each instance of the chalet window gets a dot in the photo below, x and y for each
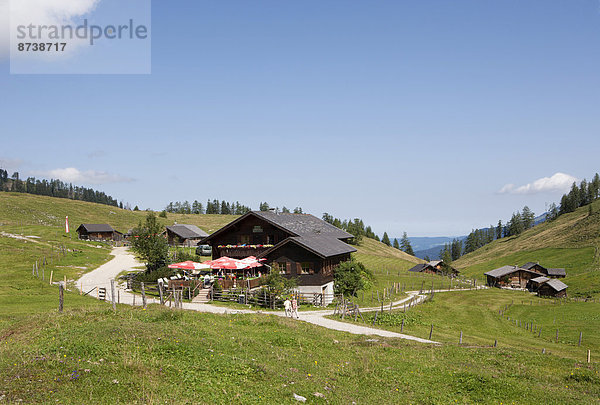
(306, 268)
(282, 267)
(245, 239)
(257, 229)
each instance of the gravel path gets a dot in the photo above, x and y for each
(124, 261)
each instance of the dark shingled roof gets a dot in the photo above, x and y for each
(540, 279)
(96, 227)
(530, 265)
(557, 285)
(187, 231)
(420, 267)
(504, 270)
(557, 272)
(303, 224)
(323, 246)
(293, 224)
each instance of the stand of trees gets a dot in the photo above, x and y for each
(211, 207)
(579, 196)
(356, 227)
(53, 188)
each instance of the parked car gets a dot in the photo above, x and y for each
(204, 250)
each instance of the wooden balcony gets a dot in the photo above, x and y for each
(240, 252)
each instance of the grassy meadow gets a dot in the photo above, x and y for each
(169, 356)
(89, 354)
(476, 314)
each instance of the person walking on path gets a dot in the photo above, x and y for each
(295, 308)
(287, 304)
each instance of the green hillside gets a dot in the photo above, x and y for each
(90, 354)
(572, 242)
(35, 210)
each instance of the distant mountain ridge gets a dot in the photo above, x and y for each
(431, 246)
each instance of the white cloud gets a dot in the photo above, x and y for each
(38, 12)
(558, 182)
(73, 175)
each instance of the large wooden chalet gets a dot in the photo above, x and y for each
(103, 232)
(295, 245)
(184, 235)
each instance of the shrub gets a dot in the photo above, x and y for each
(352, 276)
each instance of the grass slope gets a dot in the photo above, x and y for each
(572, 242)
(162, 355)
(90, 354)
(18, 209)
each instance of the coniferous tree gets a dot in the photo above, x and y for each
(515, 225)
(405, 245)
(456, 249)
(583, 193)
(552, 212)
(527, 218)
(396, 244)
(594, 188)
(446, 254)
(386, 239)
(499, 230)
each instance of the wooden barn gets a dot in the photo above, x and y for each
(100, 232)
(553, 288)
(510, 276)
(296, 245)
(552, 273)
(434, 267)
(534, 284)
(184, 235)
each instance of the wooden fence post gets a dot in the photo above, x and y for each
(160, 292)
(60, 297)
(143, 296)
(496, 343)
(402, 326)
(580, 336)
(589, 356)
(51, 274)
(430, 331)
(460, 338)
(113, 295)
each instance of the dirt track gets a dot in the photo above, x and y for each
(124, 261)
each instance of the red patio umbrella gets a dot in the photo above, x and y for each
(226, 263)
(189, 265)
(251, 262)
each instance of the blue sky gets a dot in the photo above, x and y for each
(412, 115)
